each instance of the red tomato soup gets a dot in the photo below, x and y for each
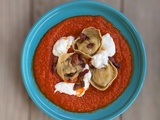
(93, 99)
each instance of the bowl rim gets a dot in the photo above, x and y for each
(139, 87)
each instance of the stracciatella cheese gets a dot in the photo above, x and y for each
(100, 59)
(108, 44)
(62, 45)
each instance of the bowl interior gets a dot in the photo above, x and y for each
(79, 8)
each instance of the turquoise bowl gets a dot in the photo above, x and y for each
(78, 8)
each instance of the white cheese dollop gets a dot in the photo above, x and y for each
(100, 59)
(67, 88)
(64, 87)
(62, 45)
(108, 44)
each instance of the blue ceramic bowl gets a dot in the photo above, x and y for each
(78, 8)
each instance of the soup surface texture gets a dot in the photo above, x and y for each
(93, 99)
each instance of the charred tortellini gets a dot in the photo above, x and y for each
(69, 66)
(103, 78)
(89, 42)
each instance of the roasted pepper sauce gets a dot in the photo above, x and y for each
(93, 98)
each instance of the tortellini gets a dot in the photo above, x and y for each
(103, 78)
(69, 66)
(89, 42)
